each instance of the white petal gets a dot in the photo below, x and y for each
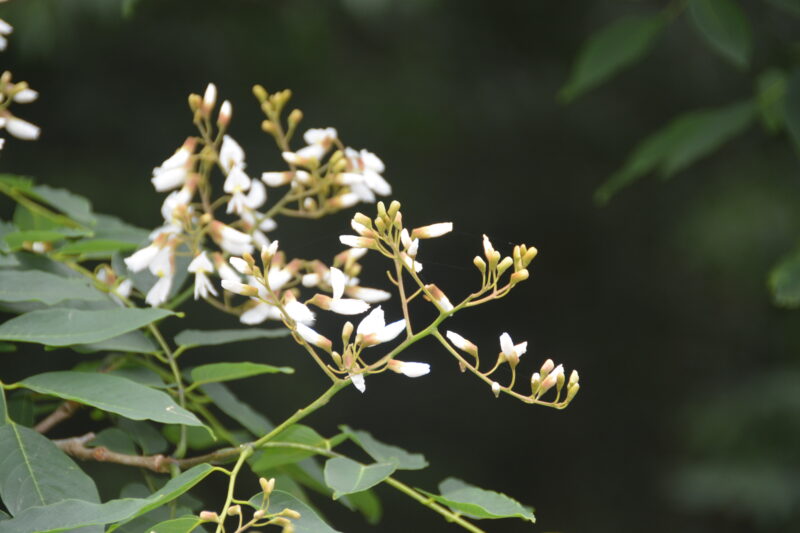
(372, 161)
(377, 183)
(337, 281)
(158, 294)
(256, 314)
(141, 259)
(349, 306)
(414, 370)
(367, 294)
(506, 344)
(257, 196)
(201, 263)
(391, 331)
(240, 265)
(358, 382)
(372, 323)
(230, 154)
(26, 96)
(22, 129)
(237, 180)
(172, 178)
(299, 312)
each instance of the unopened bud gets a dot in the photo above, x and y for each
(381, 210)
(529, 255)
(225, 113)
(260, 93)
(195, 101)
(519, 275)
(571, 392)
(480, 264)
(573, 378)
(209, 99)
(439, 297)
(268, 127)
(347, 332)
(337, 359)
(291, 513)
(295, 117)
(547, 367)
(495, 389)
(432, 231)
(560, 382)
(209, 516)
(394, 207)
(504, 265)
(259, 514)
(234, 510)
(536, 382)
(267, 485)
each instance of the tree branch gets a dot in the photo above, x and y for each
(62, 412)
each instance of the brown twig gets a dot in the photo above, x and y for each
(62, 412)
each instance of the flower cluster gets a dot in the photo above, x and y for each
(16, 93)
(323, 177)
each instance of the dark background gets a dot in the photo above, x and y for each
(687, 417)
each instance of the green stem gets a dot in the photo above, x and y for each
(433, 506)
(246, 452)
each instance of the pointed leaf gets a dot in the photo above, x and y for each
(112, 394)
(386, 453)
(145, 435)
(185, 524)
(70, 514)
(275, 455)
(229, 404)
(195, 337)
(723, 24)
(216, 372)
(132, 342)
(309, 521)
(96, 247)
(346, 476)
(112, 228)
(610, 50)
(34, 472)
(15, 240)
(74, 206)
(680, 143)
(29, 285)
(479, 503)
(62, 327)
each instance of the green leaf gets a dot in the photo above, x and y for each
(6, 347)
(216, 372)
(784, 282)
(17, 239)
(76, 207)
(145, 435)
(3, 409)
(790, 6)
(275, 455)
(792, 107)
(20, 408)
(680, 143)
(229, 404)
(196, 438)
(195, 337)
(112, 394)
(368, 504)
(610, 50)
(14, 182)
(96, 247)
(115, 440)
(185, 524)
(7, 260)
(29, 285)
(114, 229)
(479, 503)
(132, 342)
(346, 476)
(386, 453)
(309, 521)
(63, 327)
(70, 514)
(770, 94)
(34, 472)
(723, 24)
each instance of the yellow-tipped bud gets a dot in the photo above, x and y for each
(529, 255)
(381, 210)
(572, 392)
(295, 117)
(267, 126)
(209, 516)
(347, 332)
(504, 265)
(479, 263)
(234, 510)
(260, 92)
(394, 207)
(195, 101)
(291, 513)
(520, 275)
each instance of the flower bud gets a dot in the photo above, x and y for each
(267, 485)
(239, 288)
(573, 378)
(504, 265)
(259, 514)
(547, 367)
(394, 207)
(347, 332)
(495, 389)
(572, 392)
(209, 99)
(519, 275)
(209, 516)
(529, 255)
(295, 117)
(291, 513)
(462, 344)
(225, 113)
(536, 382)
(432, 231)
(195, 101)
(440, 298)
(268, 127)
(234, 510)
(480, 264)
(260, 93)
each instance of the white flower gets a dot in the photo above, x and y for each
(312, 337)
(163, 263)
(141, 259)
(22, 129)
(369, 295)
(374, 329)
(358, 382)
(224, 270)
(342, 306)
(231, 154)
(241, 266)
(432, 230)
(236, 184)
(461, 343)
(259, 313)
(299, 312)
(231, 240)
(510, 350)
(209, 98)
(278, 277)
(5, 29)
(201, 267)
(322, 136)
(175, 169)
(159, 293)
(256, 198)
(368, 167)
(239, 288)
(26, 96)
(337, 281)
(410, 369)
(354, 241)
(174, 201)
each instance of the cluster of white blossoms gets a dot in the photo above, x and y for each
(318, 186)
(16, 93)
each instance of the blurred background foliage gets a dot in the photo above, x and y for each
(518, 119)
